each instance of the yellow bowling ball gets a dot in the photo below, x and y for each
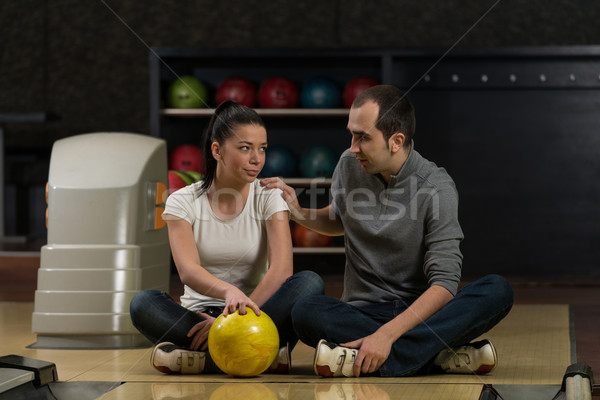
(243, 345)
(249, 391)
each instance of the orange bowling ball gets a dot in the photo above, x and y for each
(243, 345)
(304, 237)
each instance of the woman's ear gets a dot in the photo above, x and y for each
(216, 150)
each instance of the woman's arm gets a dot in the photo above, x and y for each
(279, 242)
(192, 274)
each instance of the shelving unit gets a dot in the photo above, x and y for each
(297, 129)
(319, 250)
(33, 117)
(507, 124)
(265, 112)
(308, 182)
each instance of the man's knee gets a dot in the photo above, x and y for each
(500, 288)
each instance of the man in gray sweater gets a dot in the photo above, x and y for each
(401, 312)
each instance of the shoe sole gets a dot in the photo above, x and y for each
(321, 370)
(162, 369)
(484, 369)
(284, 368)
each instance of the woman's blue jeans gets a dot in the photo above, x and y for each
(161, 319)
(473, 311)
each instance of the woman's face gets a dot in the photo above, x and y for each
(242, 156)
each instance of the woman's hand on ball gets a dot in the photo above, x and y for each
(236, 299)
(200, 332)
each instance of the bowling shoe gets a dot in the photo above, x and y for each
(283, 362)
(474, 358)
(172, 359)
(332, 360)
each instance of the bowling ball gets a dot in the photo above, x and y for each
(178, 180)
(320, 93)
(319, 161)
(195, 175)
(237, 89)
(187, 92)
(187, 157)
(278, 92)
(279, 161)
(243, 345)
(304, 237)
(355, 86)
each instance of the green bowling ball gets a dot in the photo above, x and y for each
(187, 92)
(318, 161)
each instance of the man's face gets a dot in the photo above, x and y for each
(368, 143)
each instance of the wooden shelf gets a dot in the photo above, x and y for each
(318, 250)
(265, 112)
(308, 182)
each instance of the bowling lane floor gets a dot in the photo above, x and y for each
(132, 378)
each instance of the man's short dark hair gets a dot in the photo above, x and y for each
(396, 112)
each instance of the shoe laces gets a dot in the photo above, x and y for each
(345, 354)
(461, 359)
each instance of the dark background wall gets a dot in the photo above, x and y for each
(87, 61)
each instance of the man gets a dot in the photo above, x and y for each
(401, 312)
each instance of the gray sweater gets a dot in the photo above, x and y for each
(400, 237)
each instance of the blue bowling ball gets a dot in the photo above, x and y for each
(320, 93)
(319, 161)
(279, 161)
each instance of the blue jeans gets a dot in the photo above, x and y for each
(161, 319)
(473, 311)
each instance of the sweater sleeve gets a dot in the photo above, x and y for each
(443, 259)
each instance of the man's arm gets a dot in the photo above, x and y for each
(375, 348)
(323, 220)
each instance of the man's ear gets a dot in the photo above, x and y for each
(397, 141)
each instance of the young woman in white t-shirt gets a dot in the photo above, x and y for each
(231, 243)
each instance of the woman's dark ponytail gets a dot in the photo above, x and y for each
(226, 117)
(209, 160)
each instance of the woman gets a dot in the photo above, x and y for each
(231, 244)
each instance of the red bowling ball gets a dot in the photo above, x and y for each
(355, 86)
(238, 89)
(278, 92)
(187, 157)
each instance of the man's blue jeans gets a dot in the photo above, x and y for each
(161, 319)
(473, 311)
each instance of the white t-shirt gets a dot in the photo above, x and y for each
(235, 250)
